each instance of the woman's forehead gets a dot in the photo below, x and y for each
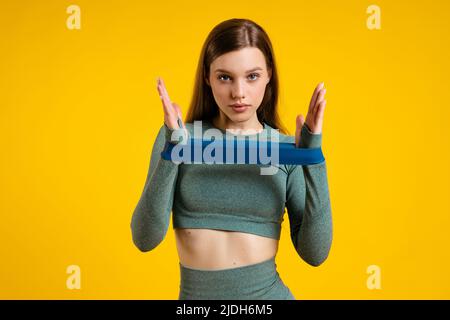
(239, 61)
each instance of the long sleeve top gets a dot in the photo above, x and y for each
(236, 197)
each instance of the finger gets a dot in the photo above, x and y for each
(179, 114)
(177, 109)
(166, 105)
(320, 99)
(320, 113)
(165, 90)
(161, 90)
(298, 129)
(314, 97)
(168, 109)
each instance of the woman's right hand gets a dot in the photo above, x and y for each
(172, 111)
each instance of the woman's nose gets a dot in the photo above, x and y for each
(238, 90)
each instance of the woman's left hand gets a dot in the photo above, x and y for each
(314, 118)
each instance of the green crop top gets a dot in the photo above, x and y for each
(236, 197)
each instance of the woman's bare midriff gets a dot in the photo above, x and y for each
(209, 249)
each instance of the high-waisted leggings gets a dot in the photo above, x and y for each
(259, 281)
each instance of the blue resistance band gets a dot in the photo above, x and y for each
(288, 153)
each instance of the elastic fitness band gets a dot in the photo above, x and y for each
(242, 152)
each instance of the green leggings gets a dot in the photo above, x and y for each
(259, 281)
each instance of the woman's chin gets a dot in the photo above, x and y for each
(239, 117)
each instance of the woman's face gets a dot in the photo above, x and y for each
(239, 77)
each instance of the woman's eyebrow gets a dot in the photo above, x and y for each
(251, 70)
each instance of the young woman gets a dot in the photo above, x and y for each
(227, 218)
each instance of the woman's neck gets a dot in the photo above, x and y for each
(249, 126)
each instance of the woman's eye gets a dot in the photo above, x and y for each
(222, 75)
(253, 75)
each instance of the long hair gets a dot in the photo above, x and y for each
(230, 35)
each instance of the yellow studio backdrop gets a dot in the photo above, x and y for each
(80, 111)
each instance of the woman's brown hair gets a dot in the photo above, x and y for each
(231, 35)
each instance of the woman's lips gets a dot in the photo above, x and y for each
(240, 108)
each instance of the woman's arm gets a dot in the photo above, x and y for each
(151, 217)
(310, 214)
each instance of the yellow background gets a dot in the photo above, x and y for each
(80, 111)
